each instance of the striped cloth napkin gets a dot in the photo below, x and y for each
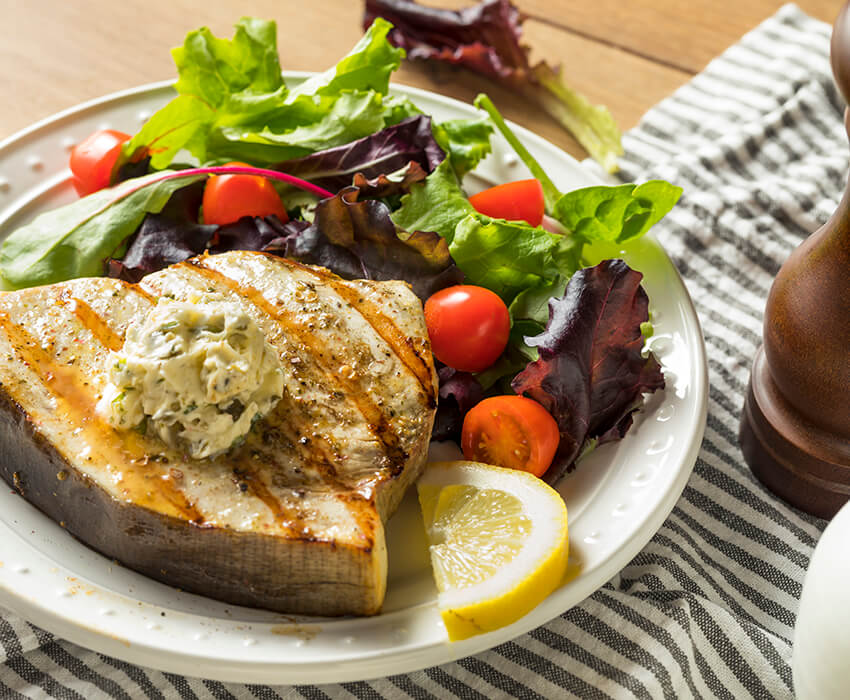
(707, 609)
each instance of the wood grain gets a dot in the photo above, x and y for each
(626, 55)
(679, 33)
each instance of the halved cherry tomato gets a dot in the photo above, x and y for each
(510, 431)
(515, 201)
(468, 326)
(92, 160)
(227, 198)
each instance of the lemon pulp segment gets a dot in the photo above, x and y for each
(498, 543)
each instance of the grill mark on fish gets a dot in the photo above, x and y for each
(376, 421)
(362, 508)
(68, 386)
(142, 292)
(389, 332)
(316, 453)
(246, 474)
(96, 325)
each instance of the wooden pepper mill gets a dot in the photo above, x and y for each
(795, 427)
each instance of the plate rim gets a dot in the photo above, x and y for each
(373, 665)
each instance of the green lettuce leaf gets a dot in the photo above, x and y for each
(232, 102)
(509, 257)
(213, 69)
(353, 115)
(437, 204)
(398, 108)
(75, 240)
(592, 125)
(467, 141)
(367, 66)
(184, 122)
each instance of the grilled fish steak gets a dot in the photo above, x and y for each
(291, 520)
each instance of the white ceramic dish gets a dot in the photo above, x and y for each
(617, 499)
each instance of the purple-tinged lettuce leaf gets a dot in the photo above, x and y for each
(483, 37)
(459, 391)
(381, 153)
(166, 238)
(160, 242)
(486, 39)
(255, 233)
(395, 183)
(591, 373)
(353, 239)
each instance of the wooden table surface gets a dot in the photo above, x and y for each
(626, 54)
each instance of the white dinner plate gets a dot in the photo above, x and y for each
(617, 498)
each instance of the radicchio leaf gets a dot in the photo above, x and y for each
(353, 239)
(459, 391)
(486, 39)
(591, 373)
(386, 151)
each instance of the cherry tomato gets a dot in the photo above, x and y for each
(227, 198)
(515, 201)
(510, 431)
(468, 326)
(92, 160)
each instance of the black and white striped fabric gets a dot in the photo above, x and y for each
(707, 609)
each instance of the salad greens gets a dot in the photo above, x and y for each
(591, 373)
(387, 151)
(485, 38)
(385, 200)
(233, 104)
(594, 214)
(75, 240)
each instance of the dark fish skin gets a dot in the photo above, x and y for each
(293, 519)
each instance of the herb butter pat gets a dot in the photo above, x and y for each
(197, 375)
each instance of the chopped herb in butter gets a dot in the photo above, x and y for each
(197, 375)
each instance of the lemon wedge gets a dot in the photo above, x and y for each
(498, 542)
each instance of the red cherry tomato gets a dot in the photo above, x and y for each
(227, 198)
(515, 201)
(510, 431)
(468, 326)
(92, 160)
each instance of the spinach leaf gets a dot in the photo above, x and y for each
(75, 240)
(616, 214)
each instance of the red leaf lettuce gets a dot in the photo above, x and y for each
(591, 373)
(382, 153)
(485, 38)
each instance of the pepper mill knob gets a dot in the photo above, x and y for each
(795, 427)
